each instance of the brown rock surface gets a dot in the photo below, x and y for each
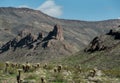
(58, 32)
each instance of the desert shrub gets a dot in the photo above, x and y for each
(2, 66)
(31, 77)
(112, 73)
(12, 71)
(59, 78)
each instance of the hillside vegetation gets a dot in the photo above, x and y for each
(53, 73)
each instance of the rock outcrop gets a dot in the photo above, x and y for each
(40, 36)
(24, 32)
(115, 33)
(20, 41)
(95, 45)
(56, 33)
(53, 43)
(107, 41)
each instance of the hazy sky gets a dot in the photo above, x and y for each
(90, 10)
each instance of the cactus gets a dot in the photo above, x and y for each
(6, 66)
(43, 80)
(59, 68)
(38, 65)
(23, 67)
(92, 73)
(55, 70)
(45, 66)
(26, 67)
(19, 76)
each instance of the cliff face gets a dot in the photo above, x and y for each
(58, 33)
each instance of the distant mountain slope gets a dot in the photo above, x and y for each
(78, 33)
(96, 56)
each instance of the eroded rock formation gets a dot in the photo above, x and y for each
(26, 39)
(95, 45)
(107, 41)
(57, 33)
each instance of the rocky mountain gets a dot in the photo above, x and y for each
(38, 47)
(29, 35)
(78, 33)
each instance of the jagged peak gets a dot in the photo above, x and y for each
(56, 33)
(26, 39)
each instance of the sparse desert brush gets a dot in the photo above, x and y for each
(56, 73)
(30, 77)
(58, 77)
(112, 72)
(2, 65)
(12, 71)
(78, 68)
(65, 67)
